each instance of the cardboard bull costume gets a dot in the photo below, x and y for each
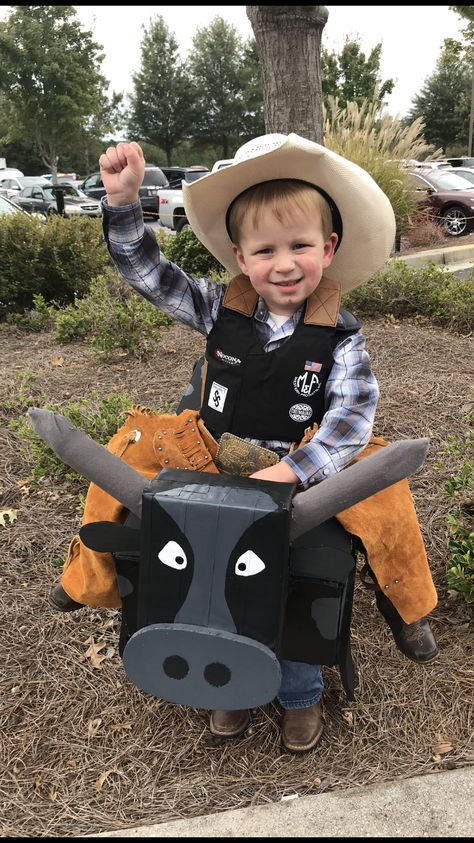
(209, 600)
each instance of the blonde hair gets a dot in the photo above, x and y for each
(283, 197)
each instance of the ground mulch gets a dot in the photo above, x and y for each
(83, 750)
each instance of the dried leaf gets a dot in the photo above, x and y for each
(57, 361)
(103, 778)
(442, 747)
(7, 513)
(126, 725)
(93, 652)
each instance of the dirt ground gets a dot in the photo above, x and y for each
(408, 247)
(83, 750)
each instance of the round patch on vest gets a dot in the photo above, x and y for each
(300, 412)
(307, 384)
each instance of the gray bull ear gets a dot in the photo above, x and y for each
(108, 537)
(90, 459)
(357, 482)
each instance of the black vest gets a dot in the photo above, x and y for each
(269, 394)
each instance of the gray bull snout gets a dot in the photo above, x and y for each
(202, 668)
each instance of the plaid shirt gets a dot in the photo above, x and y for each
(351, 391)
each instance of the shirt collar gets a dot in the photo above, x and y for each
(262, 314)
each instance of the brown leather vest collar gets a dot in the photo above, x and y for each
(322, 306)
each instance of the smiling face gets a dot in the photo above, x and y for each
(284, 255)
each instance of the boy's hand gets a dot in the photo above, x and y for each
(122, 168)
(279, 473)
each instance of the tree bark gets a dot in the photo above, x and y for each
(289, 46)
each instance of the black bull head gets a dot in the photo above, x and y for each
(209, 588)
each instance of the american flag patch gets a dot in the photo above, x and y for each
(311, 366)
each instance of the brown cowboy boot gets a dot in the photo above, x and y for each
(302, 728)
(61, 601)
(415, 640)
(229, 724)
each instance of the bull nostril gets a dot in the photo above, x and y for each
(175, 667)
(217, 674)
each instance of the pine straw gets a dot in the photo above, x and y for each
(83, 750)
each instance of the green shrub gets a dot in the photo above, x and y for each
(98, 417)
(20, 261)
(185, 250)
(460, 575)
(458, 462)
(74, 252)
(112, 316)
(38, 318)
(429, 291)
(57, 259)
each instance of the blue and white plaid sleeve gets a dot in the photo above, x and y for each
(351, 398)
(137, 256)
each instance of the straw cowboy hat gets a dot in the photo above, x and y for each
(368, 221)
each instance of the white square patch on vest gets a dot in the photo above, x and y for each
(217, 397)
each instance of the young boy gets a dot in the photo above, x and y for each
(296, 225)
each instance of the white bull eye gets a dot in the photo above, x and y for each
(248, 564)
(173, 555)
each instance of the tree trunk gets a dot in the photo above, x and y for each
(289, 45)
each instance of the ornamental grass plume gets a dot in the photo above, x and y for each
(379, 143)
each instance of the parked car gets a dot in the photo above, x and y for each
(176, 175)
(460, 162)
(153, 179)
(8, 207)
(64, 178)
(40, 196)
(170, 199)
(12, 184)
(8, 172)
(465, 172)
(449, 195)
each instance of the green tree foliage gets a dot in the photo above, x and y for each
(224, 69)
(50, 78)
(351, 76)
(444, 100)
(466, 12)
(252, 118)
(88, 145)
(162, 101)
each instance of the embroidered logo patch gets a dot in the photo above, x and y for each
(307, 384)
(227, 358)
(217, 397)
(300, 412)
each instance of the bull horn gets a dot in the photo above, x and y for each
(90, 459)
(355, 483)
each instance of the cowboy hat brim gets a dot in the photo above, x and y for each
(367, 216)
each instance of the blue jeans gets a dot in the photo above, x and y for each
(301, 684)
